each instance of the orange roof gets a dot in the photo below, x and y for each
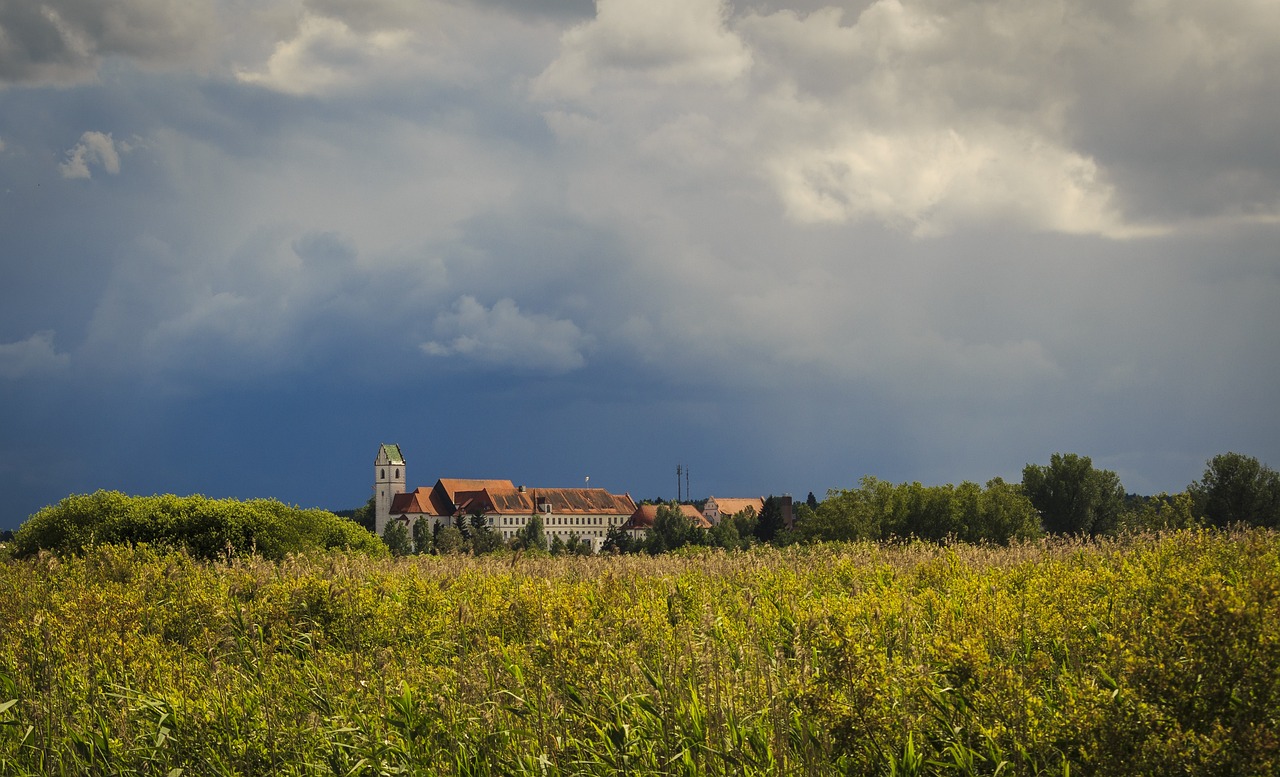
(451, 486)
(728, 506)
(645, 515)
(574, 501)
(423, 501)
(451, 496)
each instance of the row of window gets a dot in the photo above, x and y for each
(562, 520)
(506, 535)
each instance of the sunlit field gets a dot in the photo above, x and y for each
(1150, 655)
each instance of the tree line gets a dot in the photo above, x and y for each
(1067, 496)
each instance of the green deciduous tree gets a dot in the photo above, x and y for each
(1159, 512)
(672, 529)
(396, 537)
(745, 522)
(725, 535)
(1003, 513)
(422, 535)
(532, 536)
(1237, 489)
(449, 539)
(480, 537)
(365, 514)
(577, 546)
(619, 540)
(1072, 496)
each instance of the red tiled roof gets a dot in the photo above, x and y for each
(583, 501)
(451, 496)
(421, 501)
(451, 486)
(644, 516)
(728, 506)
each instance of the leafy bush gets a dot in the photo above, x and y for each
(205, 528)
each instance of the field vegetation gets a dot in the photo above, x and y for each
(1147, 654)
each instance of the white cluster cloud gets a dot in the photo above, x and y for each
(95, 148)
(326, 55)
(36, 356)
(939, 181)
(504, 337)
(672, 43)
(341, 49)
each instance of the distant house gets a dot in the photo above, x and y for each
(642, 519)
(587, 513)
(719, 508)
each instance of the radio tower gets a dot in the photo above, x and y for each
(679, 472)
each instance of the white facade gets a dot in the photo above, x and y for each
(591, 529)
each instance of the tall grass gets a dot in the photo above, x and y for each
(1149, 655)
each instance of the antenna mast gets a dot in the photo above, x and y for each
(679, 472)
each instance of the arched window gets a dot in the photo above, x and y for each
(382, 474)
(397, 474)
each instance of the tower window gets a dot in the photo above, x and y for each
(397, 474)
(382, 474)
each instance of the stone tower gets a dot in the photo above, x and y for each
(388, 480)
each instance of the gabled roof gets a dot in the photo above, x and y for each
(645, 515)
(420, 501)
(584, 501)
(733, 506)
(392, 453)
(502, 497)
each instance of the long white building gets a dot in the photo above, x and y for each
(588, 513)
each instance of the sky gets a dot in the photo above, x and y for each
(782, 244)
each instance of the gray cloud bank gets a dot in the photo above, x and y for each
(947, 237)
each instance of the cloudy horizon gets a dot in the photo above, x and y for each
(785, 244)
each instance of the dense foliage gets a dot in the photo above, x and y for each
(1073, 497)
(879, 510)
(1237, 489)
(205, 528)
(1151, 655)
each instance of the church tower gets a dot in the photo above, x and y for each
(388, 480)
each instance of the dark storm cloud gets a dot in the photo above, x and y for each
(791, 243)
(65, 40)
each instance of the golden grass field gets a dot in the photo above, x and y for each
(1153, 654)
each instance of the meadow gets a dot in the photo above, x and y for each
(1152, 654)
